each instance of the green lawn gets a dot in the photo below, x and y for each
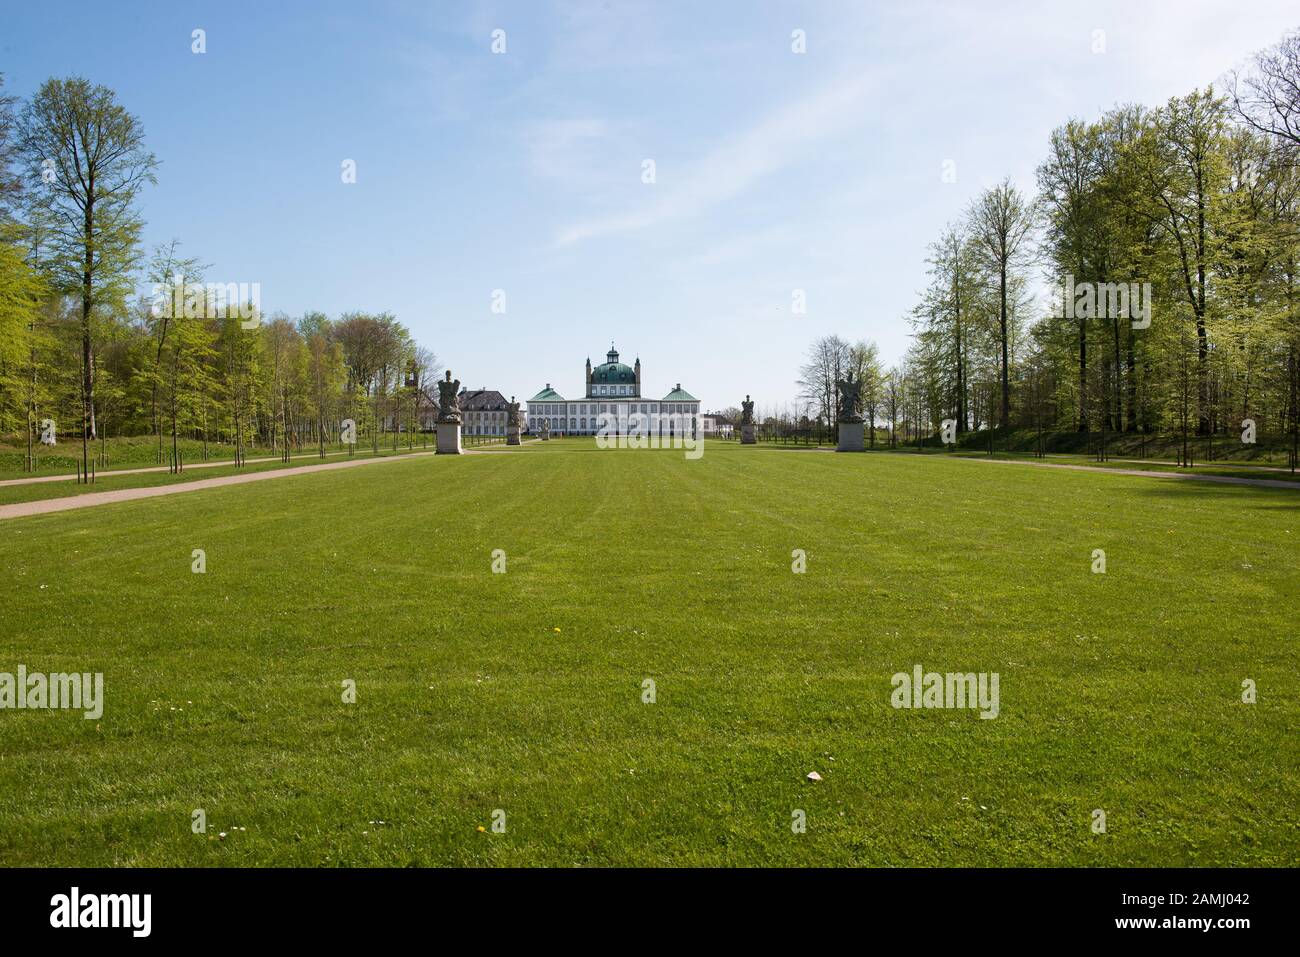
(523, 691)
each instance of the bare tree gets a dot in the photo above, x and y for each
(827, 359)
(1267, 98)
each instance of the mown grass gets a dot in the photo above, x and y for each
(523, 691)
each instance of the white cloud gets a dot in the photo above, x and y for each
(735, 166)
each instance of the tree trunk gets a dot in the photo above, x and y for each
(1006, 379)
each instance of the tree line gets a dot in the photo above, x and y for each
(82, 349)
(1167, 240)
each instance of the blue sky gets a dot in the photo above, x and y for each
(522, 171)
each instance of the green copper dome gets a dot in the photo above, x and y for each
(612, 371)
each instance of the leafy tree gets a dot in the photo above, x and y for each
(86, 164)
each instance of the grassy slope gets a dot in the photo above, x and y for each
(1119, 691)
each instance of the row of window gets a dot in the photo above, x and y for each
(615, 390)
(582, 424)
(590, 408)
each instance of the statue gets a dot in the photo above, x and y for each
(747, 436)
(449, 400)
(849, 391)
(514, 422)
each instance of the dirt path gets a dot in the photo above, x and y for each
(148, 469)
(23, 509)
(1141, 473)
(1211, 463)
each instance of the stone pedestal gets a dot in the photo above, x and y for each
(512, 435)
(449, 438)
(546, 433)
(747, 434)
(851, 437)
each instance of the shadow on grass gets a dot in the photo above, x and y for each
(1247, 496)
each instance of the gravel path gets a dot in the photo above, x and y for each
(23, 509)
(1190, 476)
(147, 469)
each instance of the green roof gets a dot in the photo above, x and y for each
(547, 395)
(613, 372)
(679, 395)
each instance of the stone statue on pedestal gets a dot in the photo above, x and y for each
(448, 429)
(513, 422)
(449, 400)
(851, 426)
(747, 422)
(849, 399)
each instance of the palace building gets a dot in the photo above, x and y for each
(483, 411)
(612, 396)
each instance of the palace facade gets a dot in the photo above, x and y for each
(612, 395)
(482, 412)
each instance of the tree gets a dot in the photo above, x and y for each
(20, 287)
(169, 275)
(11, 185)
(894, 395)
(1001, 222)
(285, 364)
(86, 163)
(946, 316)
(188, 374)
(1185, 171)
(1067, 184)
(20, 294)
(326, 371)
(864, 363)
(1267, 97)
(827, 359)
